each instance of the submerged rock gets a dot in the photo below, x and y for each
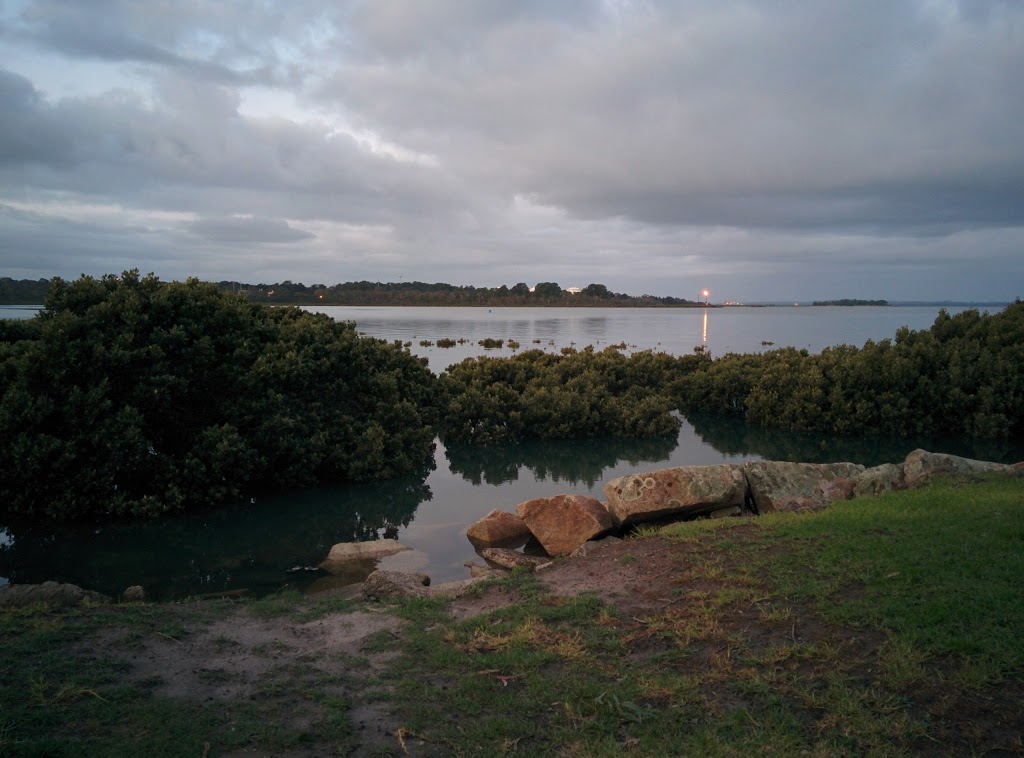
(678, 491)
(564, 522)
(345, 554)
(785, 486)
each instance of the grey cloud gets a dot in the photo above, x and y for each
(194, 152)
(721, 107)
(247, 229)
(646, 144)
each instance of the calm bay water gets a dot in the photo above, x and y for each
(672, 330)
(257, 546)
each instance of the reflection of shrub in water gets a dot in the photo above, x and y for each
(250, 546)
(733, 436)
(571, 461)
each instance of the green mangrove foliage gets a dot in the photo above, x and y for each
(129, 396)
(964, 375)
(576, 394)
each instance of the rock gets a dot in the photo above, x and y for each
(683, 490)
(592, 545)
(729, 512)
(383, 585)
(511, 559)
(564, 522)
(920, 467)
(134, 594)
(784, 486)
(344, 554)
(874, 481)
(478, 571)
(52, 594)
(498, 529)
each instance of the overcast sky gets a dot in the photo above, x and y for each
(776, 150)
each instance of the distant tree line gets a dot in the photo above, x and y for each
(29, 292)
(23, 291)
(440, 294)
(850, 301)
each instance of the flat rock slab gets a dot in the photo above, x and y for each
(921, 467)
(343, 555)
(564, 522)
(678, 491)
(498, 529)
(785, 486)
(53, 594)
(511, 559)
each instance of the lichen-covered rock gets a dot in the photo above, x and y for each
(52, 594)
(678, 491)
(784, 486)
(385, 585)
(920, 467)
(511, 559)
(564, 522)
(498, 529)
(874, 481)
(134, 594)
(478, 571)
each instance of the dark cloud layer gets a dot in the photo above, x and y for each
(650, 145)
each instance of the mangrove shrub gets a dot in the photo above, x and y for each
(964, 375)
(129, 396)
(537, 395)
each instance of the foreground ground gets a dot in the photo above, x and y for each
(887, 626)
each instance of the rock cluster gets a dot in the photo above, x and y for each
(565, 523)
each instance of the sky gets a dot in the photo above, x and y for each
(764, 150)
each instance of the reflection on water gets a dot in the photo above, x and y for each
(254, 546)
(250, 546)
(730, 435)
(581, 463)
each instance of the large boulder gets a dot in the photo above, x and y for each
(885, 478)
(679, 491)
(921, 467)
(564, 522)
(51, 594)
(784, 486)
(498, 529)
(385, 585)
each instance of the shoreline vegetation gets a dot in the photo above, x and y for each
(885, 625)
(127, 397)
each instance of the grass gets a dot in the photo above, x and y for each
(885, 627)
